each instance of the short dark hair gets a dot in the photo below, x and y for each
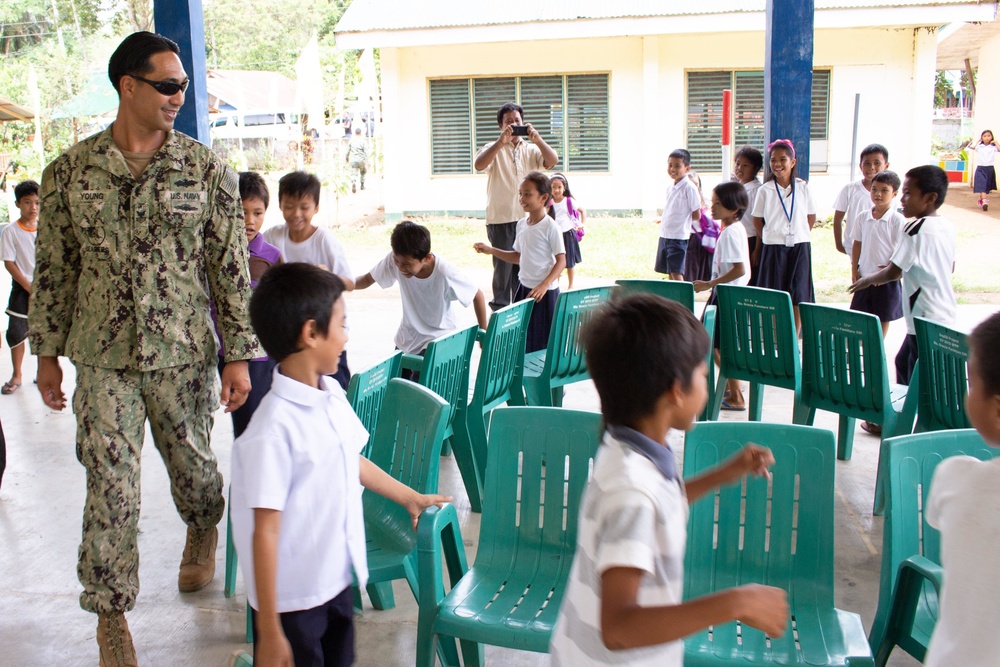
(637, 349)
(133, 54)
(299, 184)
(252, 186)
(682, 155)
(751, 155)
(25, 189)
(509, 106)
(981, 342)
(541, 181)
(875, 148)
(930, 178)
(890, 178)
(288, 296)
(411, 240)
(733, 196)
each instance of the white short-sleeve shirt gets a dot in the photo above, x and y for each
(563, 220)
(926, 255)
(732, 248)
(986, 155)
(854, 200)
(17, 245)
(322, 248)
(964, 504)
(428, 303)
(784, 214)
(878, 238)
(751, 187)
(301, 455)
(538, 244)
(683, 199)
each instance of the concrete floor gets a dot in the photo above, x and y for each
(42, 495)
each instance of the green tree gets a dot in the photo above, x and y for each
(942, 86)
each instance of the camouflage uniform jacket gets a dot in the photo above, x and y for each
(125, 266)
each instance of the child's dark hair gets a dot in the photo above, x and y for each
(875, 148)
(509, 106)
(930, 178)
(252, 186)
(541, 182)
(637, 349)
(25, 189)
(288, 296)
(682, 155)
(133, 54)
(889, 178)
(981, 342)
(787, 146)
(299, 184)
(411, 240)
(733, 196)
(751, 155)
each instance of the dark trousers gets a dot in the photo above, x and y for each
(343, 374)
(505, 274)
(3, 453)
(906, 358)
(260, 383)
(322, 636)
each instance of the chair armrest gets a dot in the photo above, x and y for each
(412, 362)
(921, 568)
(480, 335)
(908, 413)
(906, 594)
(438, 532)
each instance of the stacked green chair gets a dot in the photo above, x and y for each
(778, 532)
(539, 463)
(444, 369)
(942, 377)
(708, 319)
(407, 445)
(675, 290)
(758, 344)
(497, 381)
(844, 371)
(547, 371)
(367, 389)
(910, 580)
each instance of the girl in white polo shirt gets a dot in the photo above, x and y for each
(985, 180)
(783, 216)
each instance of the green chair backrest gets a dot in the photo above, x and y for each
(910, 464)
(565, 362)
(407, 445)
(759, 343)
(708, 319)
(778, 531)
(539, 463)
(502, 355)
(676, 290)
(843, 362)
(445, 368)
(367, 390)
(943, 377)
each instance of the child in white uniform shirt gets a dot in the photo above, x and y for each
(570, 217)
(683, 207)
(854, 200)
(428, 287)
(297, 475)
(746, 166)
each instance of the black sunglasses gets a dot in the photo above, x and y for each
(168, 88)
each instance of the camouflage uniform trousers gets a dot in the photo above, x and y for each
(111, 408)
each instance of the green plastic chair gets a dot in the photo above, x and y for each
(777, 532)
(758, 344)
(367, 389)
(943, 377)
(708, 319)
(547, 371)
(407, 445)
(676, 290)
(444, 369)
(539, 463)
(497, 381)
(910, 580)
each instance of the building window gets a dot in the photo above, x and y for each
(570, 111)
(704, 112)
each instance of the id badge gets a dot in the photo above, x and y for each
(789, 240)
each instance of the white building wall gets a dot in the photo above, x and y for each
(987, 110)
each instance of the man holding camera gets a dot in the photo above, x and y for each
(506, 162)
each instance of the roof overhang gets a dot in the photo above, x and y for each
(964, 43)
(11, 111)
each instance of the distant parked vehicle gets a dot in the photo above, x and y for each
(278, 126)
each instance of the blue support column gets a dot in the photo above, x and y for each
(184, 22)
(788, 68)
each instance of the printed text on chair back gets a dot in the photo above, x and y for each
(445, 370)
(503, 350)
(367, 390)
(944, 377)
(758, 336)
(675, 290)
(565, 361)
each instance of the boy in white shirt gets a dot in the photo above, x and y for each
(683, 207)
(429, 286)
(924, 258)
(854, 199)
(17, 245)
(295, 493)
(746, 165)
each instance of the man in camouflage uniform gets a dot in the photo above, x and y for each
(142, 226)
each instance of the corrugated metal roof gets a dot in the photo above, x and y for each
(372, 15)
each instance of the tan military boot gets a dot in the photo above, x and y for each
(198, 561)
(115, 641)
